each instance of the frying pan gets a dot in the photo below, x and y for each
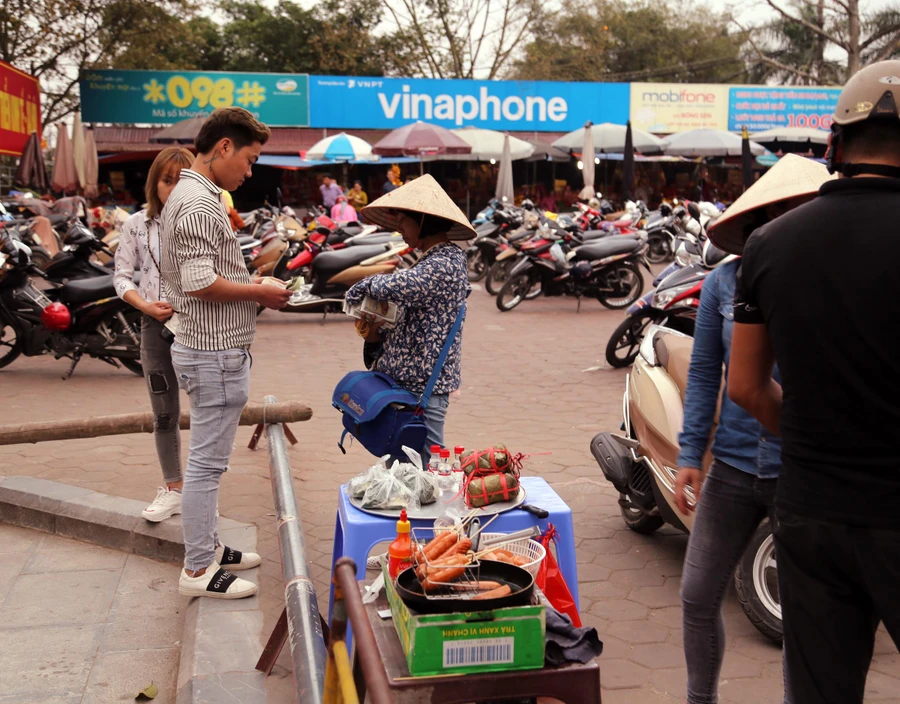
(519, 580)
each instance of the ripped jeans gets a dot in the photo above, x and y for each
(156, 358)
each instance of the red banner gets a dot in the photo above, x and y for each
(20, 108)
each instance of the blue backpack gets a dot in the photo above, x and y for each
(383, 415)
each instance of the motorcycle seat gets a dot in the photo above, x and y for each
(327, 264)
(87, 290)
(364, 240)
(607, 247)
(245, 239)
(588, 235)
(673, 353)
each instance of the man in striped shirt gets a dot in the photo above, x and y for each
(207, 283)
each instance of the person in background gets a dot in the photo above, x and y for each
(104, 195)
(139, 251)
(330, 191)
(206, 281)
(802, 303)
(357, 197)
(237, 222)
(389, 183)
(343, 211)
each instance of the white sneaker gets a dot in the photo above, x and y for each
(374, 562)
(237, 560)
(216, 583)
(166, 504)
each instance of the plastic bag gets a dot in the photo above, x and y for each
(423, 484)
(357, 486)
(551, 581)
(387, 492)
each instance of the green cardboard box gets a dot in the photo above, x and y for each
(482, 641)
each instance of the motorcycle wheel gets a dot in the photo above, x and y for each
(755, 580)
(514, 291)
(10, 343)
(133, 318)
(625, 342)
(627, 283)
(40, 257)
(637, 520)
(497, 275)
(659, 249)
(476, 266)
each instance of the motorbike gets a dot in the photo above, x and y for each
(490, 238)
(606, 270)
(642, 466)
(80, 317)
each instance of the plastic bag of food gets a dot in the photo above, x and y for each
(423, 484)
(491, 489)
(388, 492)
(357, 486)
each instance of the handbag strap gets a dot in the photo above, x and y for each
(442, 358)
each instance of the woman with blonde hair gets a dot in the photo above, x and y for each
(138, 283)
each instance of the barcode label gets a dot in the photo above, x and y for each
(489, 651)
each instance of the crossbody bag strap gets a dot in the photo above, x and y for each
(442, 358)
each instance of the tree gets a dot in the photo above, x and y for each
(865, 37)
(56, 39)
(614, 40)
(457, 38)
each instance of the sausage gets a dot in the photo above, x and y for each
(460, 548)
(442, 563)
(441, 577)
(494, 593)
(439, 545)
(476, 586)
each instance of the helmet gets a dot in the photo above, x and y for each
(873, 93)
(594, 203)
(528, 204)
(582, 270)
(56, 317)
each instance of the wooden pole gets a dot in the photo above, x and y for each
(96, 426)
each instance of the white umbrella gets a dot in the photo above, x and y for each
(91, 166)
(490, 144)
(78, 148)
(610, 139)
(65, 177)
(708, 142)
(340, 147)
(792, 134)
(587, 158)
(505, 190)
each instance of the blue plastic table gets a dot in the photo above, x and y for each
(357, 532)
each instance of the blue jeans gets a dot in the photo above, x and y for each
(435, 415)
(732, 505)
(217, 384)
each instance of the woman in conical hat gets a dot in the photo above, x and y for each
(739, 489)
(430, 295)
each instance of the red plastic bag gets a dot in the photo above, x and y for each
(551, 581)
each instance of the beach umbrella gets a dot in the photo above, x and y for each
(31, 172)
(505, 190)
(78, 148)
(91, 166)
(184, 132)
(610, 138)
(746, 159)
(707, 142)
(628, 165)
(587, 165)
(491, 144)
(340, 147)
(420, 139)
(64, 176)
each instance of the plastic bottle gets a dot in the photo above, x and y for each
(457, 465)
(435, 458)
(400, 551)
(445, 475)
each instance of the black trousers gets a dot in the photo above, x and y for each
(837, 582)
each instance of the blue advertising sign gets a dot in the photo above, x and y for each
(162, 97)
(762, 108)
(386, 103)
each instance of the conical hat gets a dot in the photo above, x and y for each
(791, 178)
(423, 195)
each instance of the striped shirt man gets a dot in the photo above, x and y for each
(199, 246)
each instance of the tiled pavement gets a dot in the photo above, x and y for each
(525, 384)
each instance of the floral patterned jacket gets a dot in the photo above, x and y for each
(430, 296)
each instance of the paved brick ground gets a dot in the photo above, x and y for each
(525, 384)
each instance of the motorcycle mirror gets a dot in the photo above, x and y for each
(694, 211)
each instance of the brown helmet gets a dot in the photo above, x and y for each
(872, 93)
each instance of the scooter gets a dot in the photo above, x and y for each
(642, 466)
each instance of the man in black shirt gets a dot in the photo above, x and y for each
(818, 293)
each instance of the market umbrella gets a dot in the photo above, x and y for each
(91, 166)
(587, 162)
(78, 148)
(505, 190)
(184, 132)
(31, 172)
(490, 144)
(420, 139)
(628, 165)
(340, 147)
(64, 176)
(707, 142)
(610, 138)
(746, 159)
(792, 134)
(547, 152)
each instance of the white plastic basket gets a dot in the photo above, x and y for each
(526, 547)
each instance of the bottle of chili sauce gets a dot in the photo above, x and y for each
(400, 551)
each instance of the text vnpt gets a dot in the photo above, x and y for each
(464, 108)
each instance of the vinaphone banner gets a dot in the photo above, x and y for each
(20, 108)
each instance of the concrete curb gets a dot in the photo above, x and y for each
(222, 639)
